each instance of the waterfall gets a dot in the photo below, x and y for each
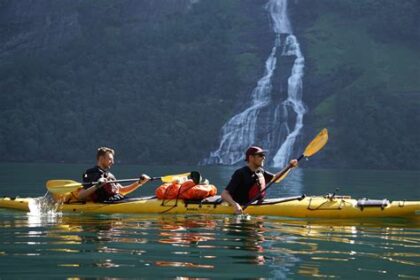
(294, 100)
(262, 122)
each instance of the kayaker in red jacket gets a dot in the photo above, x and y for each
(249, 181)
(103, 191)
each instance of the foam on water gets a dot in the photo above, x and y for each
(43, 210)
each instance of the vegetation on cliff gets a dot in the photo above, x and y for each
(362, 80)
(157, 79)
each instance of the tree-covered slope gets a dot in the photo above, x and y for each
(156, 80)
(363, 80)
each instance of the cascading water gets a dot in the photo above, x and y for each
(262, 122)
(294, 100)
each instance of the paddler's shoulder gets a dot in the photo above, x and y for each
(94, 170)
(243, 170)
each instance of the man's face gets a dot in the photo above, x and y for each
(106, 161)
(257, 159)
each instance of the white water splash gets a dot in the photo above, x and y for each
(241, 131)
(42, 210)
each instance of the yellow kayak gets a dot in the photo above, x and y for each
(336, 207)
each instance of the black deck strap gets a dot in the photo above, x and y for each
(179, 193)
(193, 202)
(130, 199)
(216, 199)
(271, 201)
(164, 197)
(364, 202)
(212, 200)
(125, 200)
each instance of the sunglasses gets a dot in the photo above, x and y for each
(260, 155)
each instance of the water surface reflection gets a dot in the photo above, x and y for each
(123, 246)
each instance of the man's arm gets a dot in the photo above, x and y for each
(232, 187)
(84, 194)
(228, 198)
(124, 190)
(90, 175)
(292, 164)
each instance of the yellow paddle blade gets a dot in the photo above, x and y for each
(170, 178)
(317, 143)
(283, 176)
(63, 186)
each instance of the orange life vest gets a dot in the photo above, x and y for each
(186, 190)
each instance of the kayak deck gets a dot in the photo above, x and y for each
(337, 207)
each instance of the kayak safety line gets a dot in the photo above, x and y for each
(280, 200)
(319, 207)
(196, 177)
(176, 200)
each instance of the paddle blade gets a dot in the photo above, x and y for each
(179, 177)
(284, 175)
(317, 143)
(62, 186)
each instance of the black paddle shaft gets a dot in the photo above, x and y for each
(122, 181)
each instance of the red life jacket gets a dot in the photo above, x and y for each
(258, 189)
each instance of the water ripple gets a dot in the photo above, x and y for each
(207, 246)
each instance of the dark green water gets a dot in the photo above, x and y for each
(54, 245)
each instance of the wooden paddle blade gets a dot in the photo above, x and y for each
(317, 143)
(170, 178)
(62, 186)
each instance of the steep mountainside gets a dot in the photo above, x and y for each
(362, 80)
(157, 79)
(154, 79)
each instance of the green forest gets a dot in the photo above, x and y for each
(156, 80)
(364, 68)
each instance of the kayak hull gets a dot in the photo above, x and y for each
(297, 207)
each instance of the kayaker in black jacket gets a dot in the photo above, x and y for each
(249, 181)
(103, 191)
